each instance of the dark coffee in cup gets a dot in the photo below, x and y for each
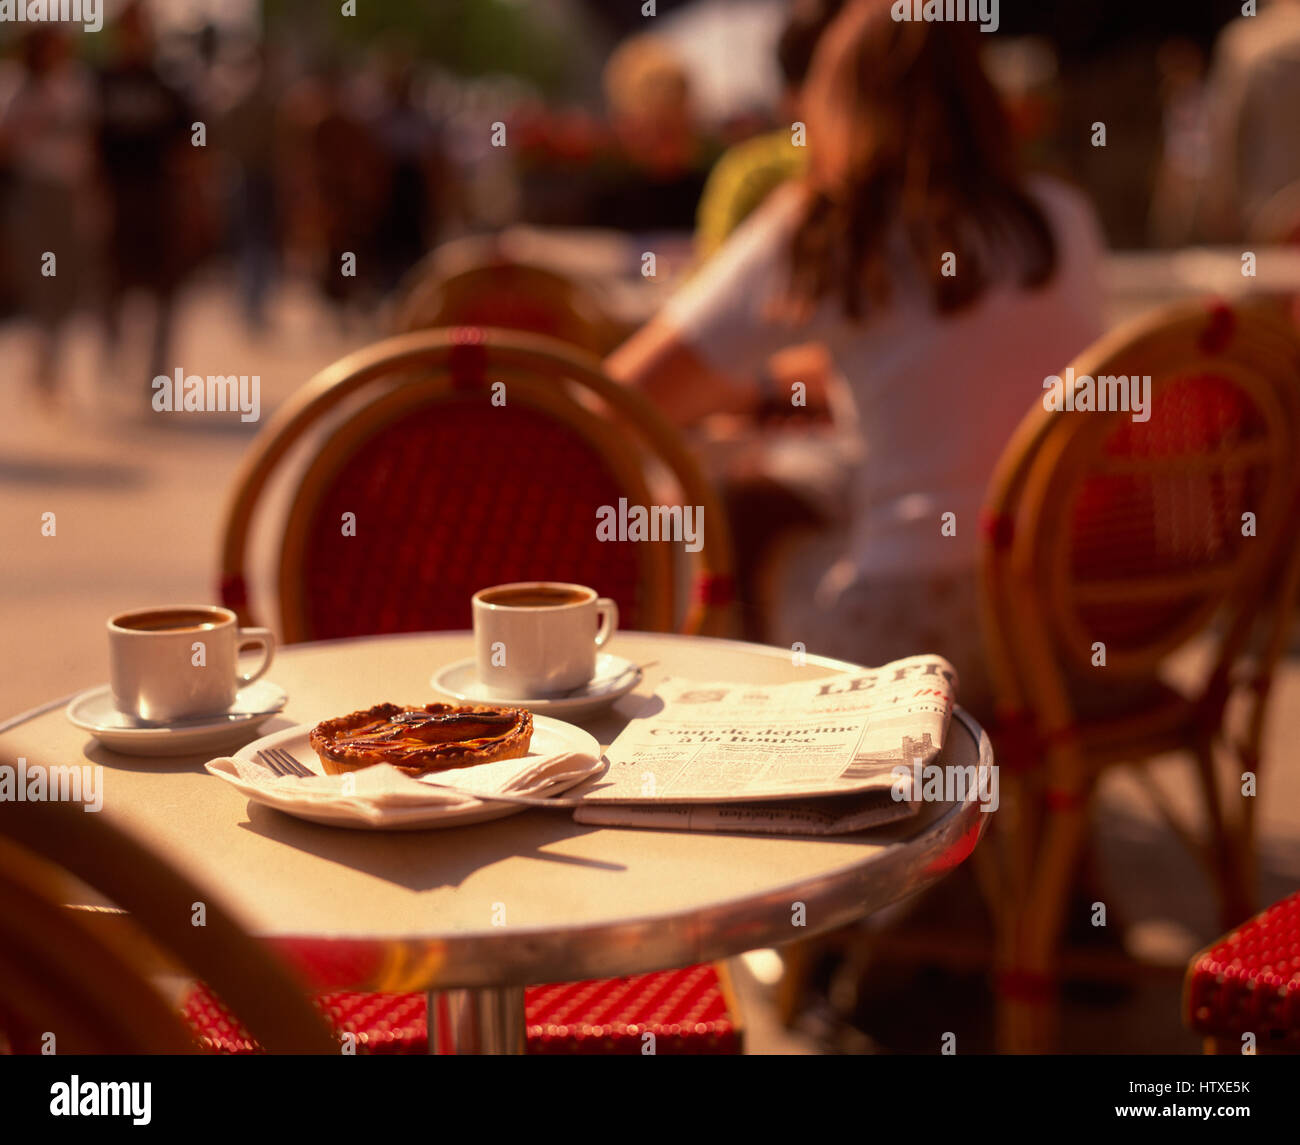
(171, 620)
(180, 662)
(539, 638)
(534, 597)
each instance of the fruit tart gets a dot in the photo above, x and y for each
(418, 741)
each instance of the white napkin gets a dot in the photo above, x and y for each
(373, 793)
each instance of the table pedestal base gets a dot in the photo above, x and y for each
(489, 1020)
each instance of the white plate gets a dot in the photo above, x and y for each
(550, 737)
(93, 711)
(614, 677)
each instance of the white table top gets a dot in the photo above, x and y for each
(533, 897)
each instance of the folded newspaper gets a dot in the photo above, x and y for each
(823, 757)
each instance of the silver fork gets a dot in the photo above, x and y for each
(283, 764)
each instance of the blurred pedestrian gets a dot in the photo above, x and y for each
(144, 130)
(46, 144)
(249, 137)
(656, 172)
(346, 181)
(415, 172)
(1184, 152)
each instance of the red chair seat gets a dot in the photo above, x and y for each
(1249, 981)
(686, 1011)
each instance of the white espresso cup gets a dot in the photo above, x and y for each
(179, 662)
(534, 639)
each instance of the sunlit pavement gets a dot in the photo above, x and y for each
(137, 494)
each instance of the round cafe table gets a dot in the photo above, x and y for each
(475, 913)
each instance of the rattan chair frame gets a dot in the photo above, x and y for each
(447, 286)
(548, 374)
(1027, 615)
(85, 975)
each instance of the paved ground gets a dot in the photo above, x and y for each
(137, 495)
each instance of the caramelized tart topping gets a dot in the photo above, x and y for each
(432, 738)
(418, 729)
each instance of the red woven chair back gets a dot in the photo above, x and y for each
(1120, 538)
(447, 524)
(1156, 534)
(480, 457)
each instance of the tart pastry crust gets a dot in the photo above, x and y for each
(417, 741)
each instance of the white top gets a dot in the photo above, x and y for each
(935, 398)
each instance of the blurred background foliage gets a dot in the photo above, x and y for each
(467, 37)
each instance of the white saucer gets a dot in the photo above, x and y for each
(93, 711)
(614, 677)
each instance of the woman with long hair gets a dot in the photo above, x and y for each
(944, 284)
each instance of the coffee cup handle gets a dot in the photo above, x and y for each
(264, 638)
(607, 610)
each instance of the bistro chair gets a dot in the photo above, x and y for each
(480, 285)
(1242, 993)
(1109, 537)
(452, 492)
(88, 976)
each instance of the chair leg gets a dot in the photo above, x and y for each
(989, 879)
(1248, 752)
(1027, 1000)
(800, 960)
(795, 959)
(1227, 847)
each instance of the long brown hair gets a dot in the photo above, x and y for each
(905, 130)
